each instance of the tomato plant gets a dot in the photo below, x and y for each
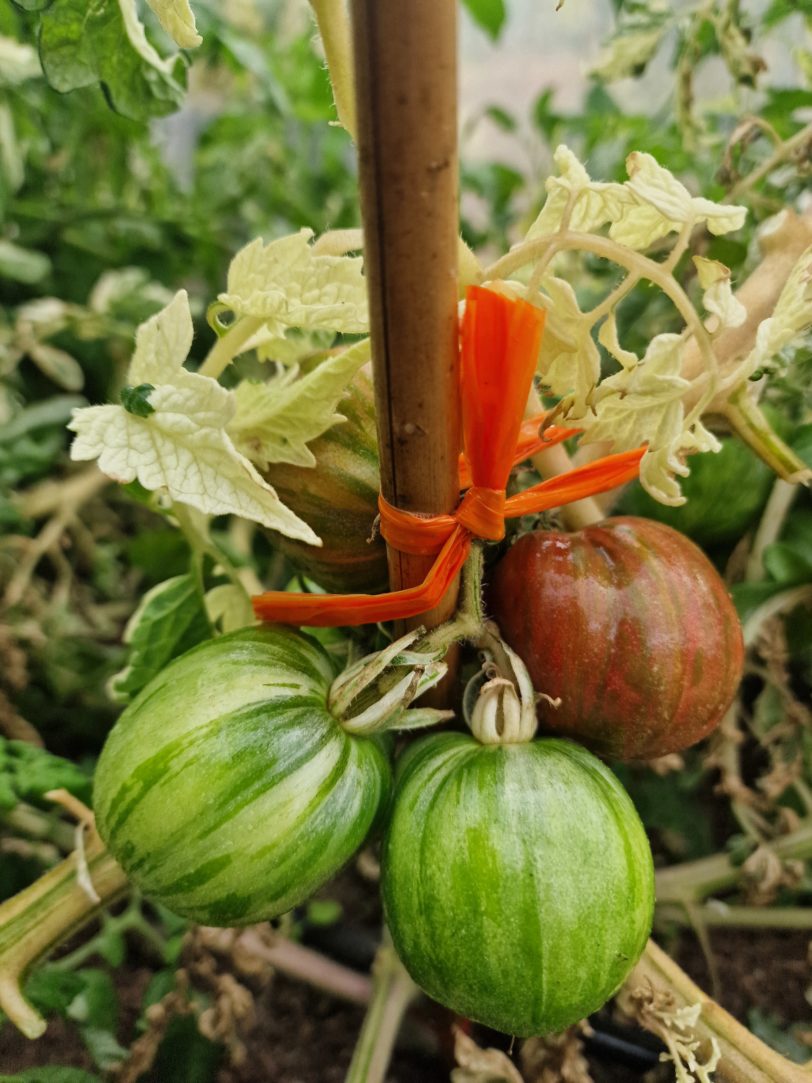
(630, 299)
(629, 625)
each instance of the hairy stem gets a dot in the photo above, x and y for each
(392, 993)
(333, 22)
(469, 620)
(35, 921)
(555, 460)
(719, 915)
(229, 346)
(634, 262)
(780, 154)
(744, 414)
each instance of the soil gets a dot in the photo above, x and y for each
(304, 1036)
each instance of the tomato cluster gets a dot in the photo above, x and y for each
(517, 879)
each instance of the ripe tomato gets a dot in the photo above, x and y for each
(630, 625)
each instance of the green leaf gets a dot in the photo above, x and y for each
(81, 45)
(786, 564)
(641, 28)
(488, 14)
(135, 400)
(33, 5)
(170, 620)
(21, 264)
(33, 772)
(177, 19)
(95, 1010)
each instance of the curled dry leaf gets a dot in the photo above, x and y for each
(478, 1065)
(557, 1058)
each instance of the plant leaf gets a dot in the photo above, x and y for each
(105, 42)
(170, 620)
(22, 264)
(18, 62)
(489, 14)
(182, 445)
(178, 20)
(229, 608)
(725, 309)
(643, 405)
(276, 420)
(641, 28)
(791, 318)
(287, 285)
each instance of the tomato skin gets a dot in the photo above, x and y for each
(338, 498)
(227, 790)
(517, 880)
(630, 625)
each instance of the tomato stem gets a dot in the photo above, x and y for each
(392, 993)
(37, 919)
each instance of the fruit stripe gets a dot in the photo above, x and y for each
(545, 838)
(292, 795)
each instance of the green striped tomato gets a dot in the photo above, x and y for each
(630, 625)
(227, 790)
(517, 880)
(339, 498)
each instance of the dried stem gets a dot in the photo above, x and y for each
(745, 1058)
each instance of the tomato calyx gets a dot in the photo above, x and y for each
(500, 701)
(375, 694)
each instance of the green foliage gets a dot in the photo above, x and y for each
(170, 620)
(106, 43)
(27, 773)
(490, 15)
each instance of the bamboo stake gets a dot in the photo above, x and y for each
(406, 94)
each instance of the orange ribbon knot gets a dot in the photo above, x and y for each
(499, 345)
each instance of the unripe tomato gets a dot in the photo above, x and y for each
(517, 880)
(227, 790)
(630, 625)
(338, 498)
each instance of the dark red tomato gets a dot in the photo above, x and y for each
(630, 625)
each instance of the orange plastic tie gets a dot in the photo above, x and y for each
(500, 340)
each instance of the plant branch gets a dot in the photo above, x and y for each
(35, 921)
(744, 1057)
(783, 151)
(554, 461)
(770, 526)
(392, 993)
(229, 346)
(717, 914)
(693, 881)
